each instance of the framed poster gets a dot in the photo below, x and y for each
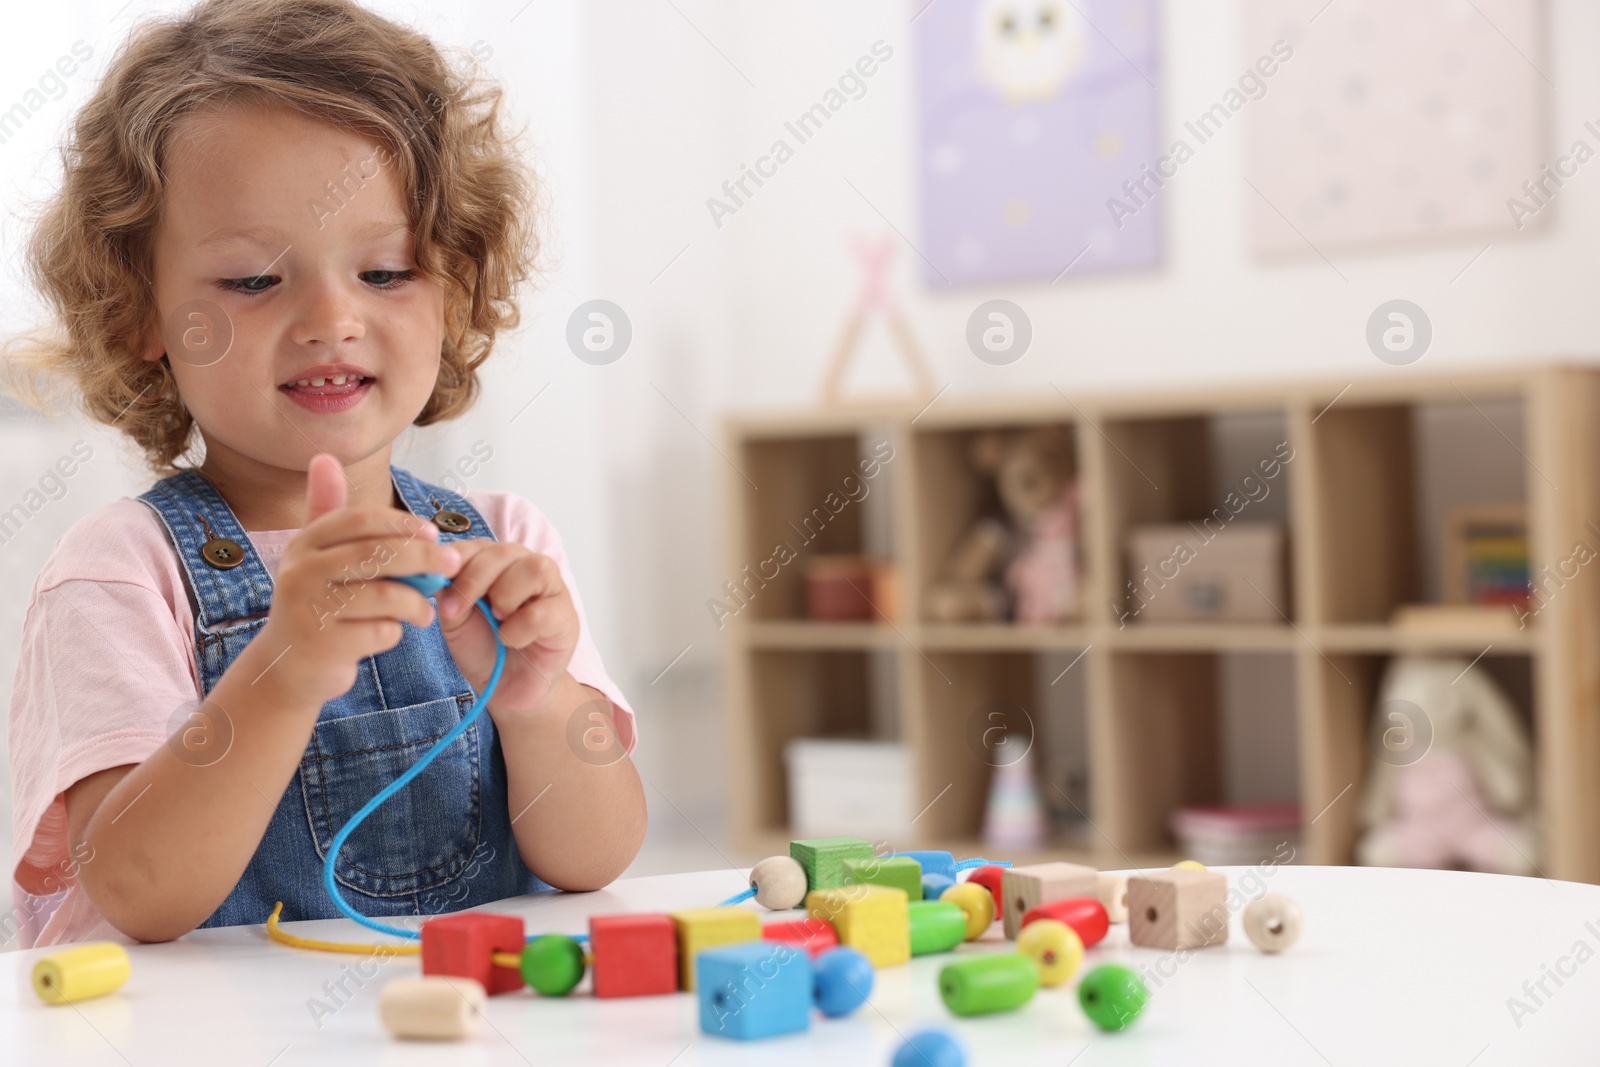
(1032, 115)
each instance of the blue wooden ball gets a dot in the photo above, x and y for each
(844, 979)
(930, 1048)
(934, 884)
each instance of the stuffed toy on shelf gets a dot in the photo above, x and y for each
(1024, 565)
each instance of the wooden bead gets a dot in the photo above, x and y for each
(990, 877)
(934, 885)
(81, 972)
(754, 990)
(982, 985)
(464, 945)
(1028, 887)
(844, 979)
(978, 904)
(1178, 909)
(1112, 996)
(1085, 915)
(816, 936)
(1055, 949)
(1273, 922)
(1114, 896)
(930, 1048)
(1188, 865)
(552, 964)
(634, 955)
(439, 1007)
(897, 872)
(779, 882)
(936, 926)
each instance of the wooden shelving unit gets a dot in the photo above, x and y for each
(1151, 691)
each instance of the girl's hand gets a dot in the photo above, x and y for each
(537, 620)
(330, 605)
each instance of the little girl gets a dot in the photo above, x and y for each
(290, 229)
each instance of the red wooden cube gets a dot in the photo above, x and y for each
(634, 955)
(463, 945)
(816, 936)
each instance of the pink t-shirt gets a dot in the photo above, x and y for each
(108, 658)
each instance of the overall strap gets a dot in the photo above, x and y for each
(228, 578)
(450, 512)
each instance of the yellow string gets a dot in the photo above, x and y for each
(333, 946)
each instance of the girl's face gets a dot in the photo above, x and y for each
(291, 235)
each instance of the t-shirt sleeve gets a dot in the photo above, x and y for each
(515, 518)
(101, 673)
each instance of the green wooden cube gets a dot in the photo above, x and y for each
(823, 858)
(896, 872)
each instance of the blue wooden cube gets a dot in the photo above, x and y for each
(754, 989)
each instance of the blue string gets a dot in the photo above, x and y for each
(738, 897)
(399, 783)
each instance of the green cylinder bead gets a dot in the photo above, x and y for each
(936, 926)
(552, 964)
(981, 985)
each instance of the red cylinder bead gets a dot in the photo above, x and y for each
(814, 935)
(989, 878)
(1085, 915)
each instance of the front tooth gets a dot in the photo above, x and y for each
(318, 382)
(339, 379)
(303, 381)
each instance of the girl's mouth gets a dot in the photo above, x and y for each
(339, 392)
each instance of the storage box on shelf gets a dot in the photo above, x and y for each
(1358, 509)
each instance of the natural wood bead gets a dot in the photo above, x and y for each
(439, 1007)
(1178, 909)
(1114, 895)
(779, 882)
(1273, 922)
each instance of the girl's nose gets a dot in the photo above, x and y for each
(327, 314)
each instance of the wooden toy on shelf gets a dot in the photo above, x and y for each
(982, 985)
(1055, 949)
(1022, 888)
(823, 858)
(634, 955)
(704, 928)
(439, 1007)
(779, 882)
(1273, 922)
(1178, 909)
(873, 918)
(897, 872)
(753, 990)
(464, 945)
(81, 972)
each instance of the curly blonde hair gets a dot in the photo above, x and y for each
(471, 201)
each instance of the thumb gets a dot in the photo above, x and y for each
(325, 486)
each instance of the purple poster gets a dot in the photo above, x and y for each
(1035, 118)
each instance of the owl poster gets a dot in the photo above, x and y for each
(1032, 115)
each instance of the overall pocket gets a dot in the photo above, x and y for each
(426, 834)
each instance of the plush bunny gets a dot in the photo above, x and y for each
(1034, 547)
(1451, 783)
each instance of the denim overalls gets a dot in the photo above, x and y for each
(442, 843)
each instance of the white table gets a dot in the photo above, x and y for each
(1401, 967)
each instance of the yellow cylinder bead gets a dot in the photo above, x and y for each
(1054, 946)
(977, 902)
(1188, 865)
(81, 972)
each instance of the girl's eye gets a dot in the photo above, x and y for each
(258, 283)
(387, 279)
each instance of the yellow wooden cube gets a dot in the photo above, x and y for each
(875, 919)
(703, 928)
